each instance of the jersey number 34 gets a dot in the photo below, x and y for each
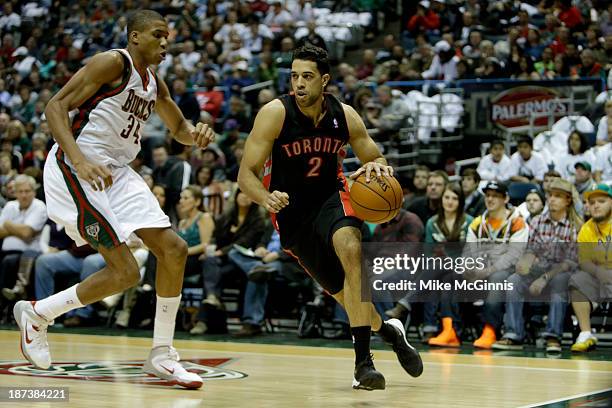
(125, 133)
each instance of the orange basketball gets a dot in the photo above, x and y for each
(377, 201)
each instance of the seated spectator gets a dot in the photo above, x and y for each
(545, 67)
(604, 164)
(169, 171)
(546, 266)
(527, 166)
(284, 57)
(577, 151)
(241, 225)
(393, 112)
(419, 185)
(501, 226)
(211, 100)
(239, 78)
(195, 227)
(583, 177)
(267, 69)
(444, 63)
(569, 14)
(189, 57)
(312, 37)
(21, 223)
(592, 283)
(7, 172)
(588, 67)
(256, 34)
(222, 36)
(534, 46)
(237, 111)
(533, 206)
(277, 16)
(302, 10)
(424, 20)
(450, 224)
(366, 68)
(236, 52)
(427, 206)
(496, 165)
(474, 200)
(268, 260)
(212, 192)
(604, 128)
(186, 101)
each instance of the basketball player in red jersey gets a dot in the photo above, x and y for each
(297, 140)
(92, 191)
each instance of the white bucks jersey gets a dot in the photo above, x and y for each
(108, 125)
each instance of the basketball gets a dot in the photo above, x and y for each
(377, 201)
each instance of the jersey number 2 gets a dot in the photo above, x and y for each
(315, 162)
(125, 133)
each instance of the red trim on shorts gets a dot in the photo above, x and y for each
(304, 267)
(345, 195)
(84, 203)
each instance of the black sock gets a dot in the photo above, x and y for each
(387, 332)
(361, 342)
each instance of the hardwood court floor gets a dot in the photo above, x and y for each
(297, 376)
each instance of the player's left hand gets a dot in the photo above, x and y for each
(369, 167)
(202, 135)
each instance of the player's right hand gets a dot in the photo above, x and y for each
(98, 176)
(276, 201)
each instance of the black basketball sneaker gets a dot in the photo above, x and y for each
(407, 355)
(366, 377)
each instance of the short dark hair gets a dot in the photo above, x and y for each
(469, 172)
(525, 139)
(312, 53)
(138, 20)
(421, 167)
(497, 142)
(552, 173)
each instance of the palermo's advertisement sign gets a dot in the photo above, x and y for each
(513, 107)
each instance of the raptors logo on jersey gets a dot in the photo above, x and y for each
(107, 126)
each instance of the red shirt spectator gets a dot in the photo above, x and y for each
(570, 16)
(423, 20)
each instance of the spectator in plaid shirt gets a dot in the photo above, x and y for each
(547, 264)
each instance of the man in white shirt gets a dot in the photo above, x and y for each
(189, 57)
(9, 19)
(604, 129)
(277, 15)
(21, 222)
(527, 166)
(444, 63)
(603, 167)
(495, 165)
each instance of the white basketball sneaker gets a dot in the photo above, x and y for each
(33, 329)
(163, 362)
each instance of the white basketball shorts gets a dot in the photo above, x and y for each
(96, 218)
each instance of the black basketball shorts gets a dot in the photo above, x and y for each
(310, 241)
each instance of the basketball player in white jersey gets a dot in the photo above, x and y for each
(92, 191)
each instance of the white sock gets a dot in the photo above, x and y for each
(58, 304)
(165, 317)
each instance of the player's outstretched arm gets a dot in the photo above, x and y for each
(180, 128)
(267, 127)
(104, 68)
(364, 147)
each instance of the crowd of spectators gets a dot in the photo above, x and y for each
(219, 48)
